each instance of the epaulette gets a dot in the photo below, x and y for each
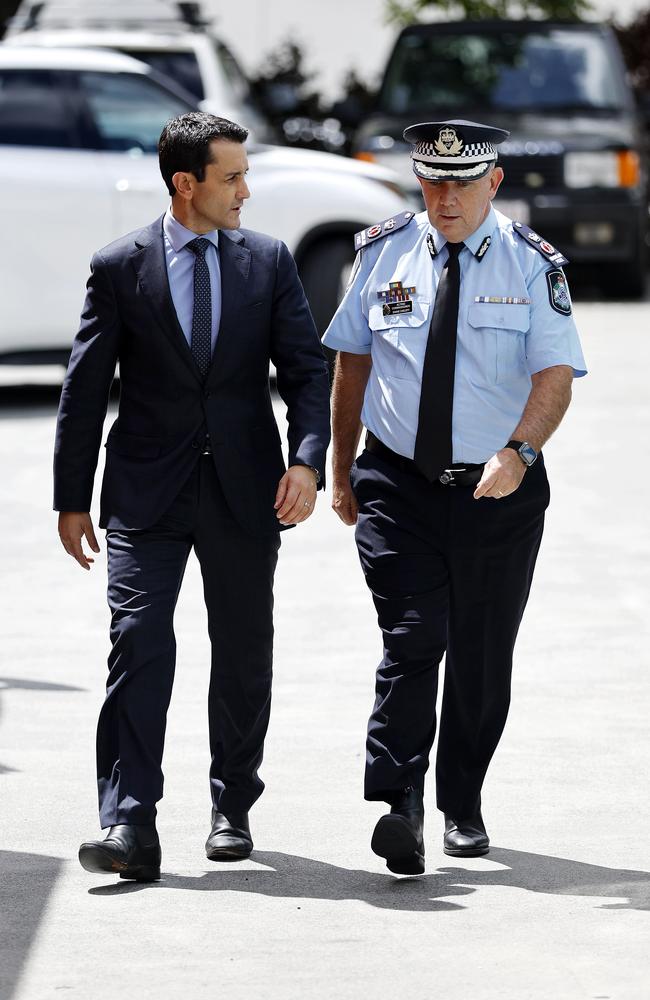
(381, 229)
(543, 246)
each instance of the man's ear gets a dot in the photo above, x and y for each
(495, 181)
(184, 184)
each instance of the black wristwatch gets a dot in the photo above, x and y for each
(526, 452)
(316, 472)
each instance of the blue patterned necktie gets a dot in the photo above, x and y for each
(201, 342)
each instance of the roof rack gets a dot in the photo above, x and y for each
(94, 14)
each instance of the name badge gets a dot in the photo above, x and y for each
(391, 308)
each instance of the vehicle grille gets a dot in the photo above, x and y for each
(532, 173)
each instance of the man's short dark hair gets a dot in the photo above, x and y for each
(184, 143)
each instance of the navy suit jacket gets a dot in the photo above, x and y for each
(165, 406)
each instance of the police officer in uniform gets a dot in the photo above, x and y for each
(457, 351)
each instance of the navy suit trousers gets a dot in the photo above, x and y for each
(145, 572)
(448, 574)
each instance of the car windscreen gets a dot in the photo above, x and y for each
(180, 67)
(542, 69)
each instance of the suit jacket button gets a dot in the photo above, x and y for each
(195, 444)
(207, 394)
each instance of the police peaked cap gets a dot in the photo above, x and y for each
(453, 150)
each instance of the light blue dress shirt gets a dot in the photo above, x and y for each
(180, 270)
(499, 345)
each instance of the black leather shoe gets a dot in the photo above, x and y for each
(128, 850)
(465, 838)
(399, 836)
(230, 838)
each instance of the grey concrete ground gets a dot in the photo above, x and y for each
(559, 910)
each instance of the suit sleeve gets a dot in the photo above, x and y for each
(302, 375)
(85, 393)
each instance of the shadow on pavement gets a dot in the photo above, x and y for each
(304, 878)
(13, 683)
(26, 883)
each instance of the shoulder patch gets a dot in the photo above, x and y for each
(381, 229)
(558, 292)
(543, 246)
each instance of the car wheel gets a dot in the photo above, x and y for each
(324, 272)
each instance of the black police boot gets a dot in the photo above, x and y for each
(399, 836)
(128, 850)
(465, 838)
(230, 838)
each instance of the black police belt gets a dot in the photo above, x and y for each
(460, 474)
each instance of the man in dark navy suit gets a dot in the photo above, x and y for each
(193, 308)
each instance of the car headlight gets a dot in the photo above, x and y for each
(602, 169)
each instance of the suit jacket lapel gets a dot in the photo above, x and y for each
(151, 268)
(234, 264)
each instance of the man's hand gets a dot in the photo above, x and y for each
(72, 528)
(296, 496)
(502, 475)
(344, 502)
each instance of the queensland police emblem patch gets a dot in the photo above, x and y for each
(558, 292)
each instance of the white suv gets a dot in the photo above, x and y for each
(78, 167)
(170, 37)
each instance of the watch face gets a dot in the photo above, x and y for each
(528, 453)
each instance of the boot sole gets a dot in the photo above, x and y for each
(394, 840)
(468, 852)
(101, 862)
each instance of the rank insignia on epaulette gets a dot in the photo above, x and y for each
(539, 243)
(385, 228)
(396, 298)
(558, 292)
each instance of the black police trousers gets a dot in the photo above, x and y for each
(145, 572)
(448, 574)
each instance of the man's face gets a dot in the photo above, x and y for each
(216, 201)
(457, 208)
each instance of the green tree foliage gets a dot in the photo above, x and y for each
(634, 40)
(403, 12)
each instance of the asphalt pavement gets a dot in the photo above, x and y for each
(559, 909)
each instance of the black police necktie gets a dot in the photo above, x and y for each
(433, 449)
(201, 341)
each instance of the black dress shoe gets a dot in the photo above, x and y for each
(398, 836)
(465, 838)
(128, 850)
(230, 838)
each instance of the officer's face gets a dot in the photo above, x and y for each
(457, 208)
(216, 201)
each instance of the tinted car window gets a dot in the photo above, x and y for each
(542, 69)
(129, 110)
(34, 109)
(181, 67)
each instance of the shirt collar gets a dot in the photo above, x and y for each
(179, 236)
(477, 242)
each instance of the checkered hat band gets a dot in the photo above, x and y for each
(473, 152)
(433, 174)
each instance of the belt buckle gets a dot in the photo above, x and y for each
(447, 478)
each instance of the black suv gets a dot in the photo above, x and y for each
(575, 163)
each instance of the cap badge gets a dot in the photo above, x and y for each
(448, 143)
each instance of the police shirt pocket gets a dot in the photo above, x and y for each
(403, 337)
(501, 348)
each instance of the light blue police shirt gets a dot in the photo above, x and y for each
(499, 345)
(180, 271)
